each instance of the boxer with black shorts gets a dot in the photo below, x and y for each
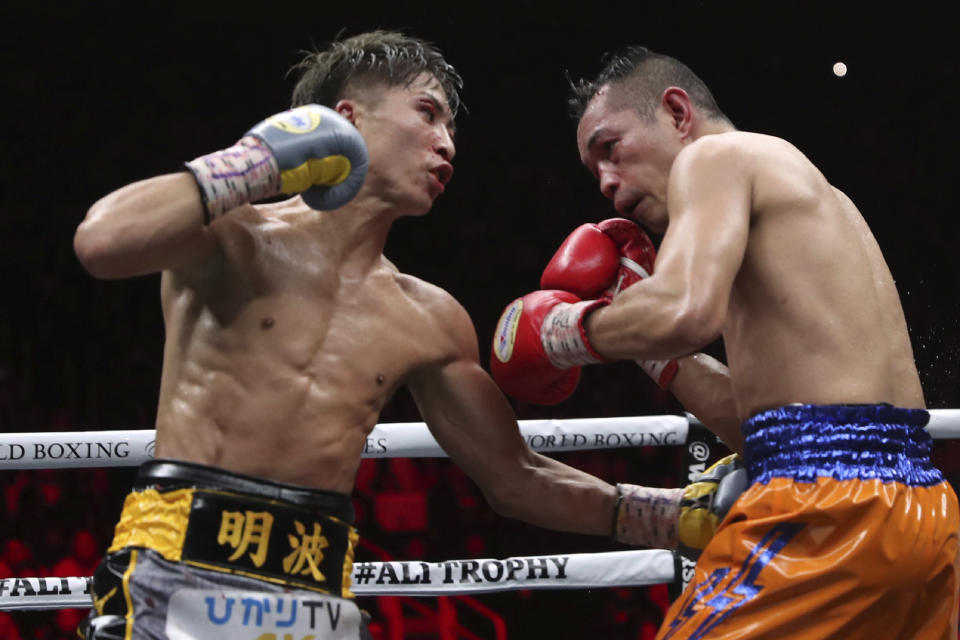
(287, 331)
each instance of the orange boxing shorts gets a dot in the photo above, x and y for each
(846, 531)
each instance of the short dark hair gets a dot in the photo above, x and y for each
(643, 76)
(384, 58)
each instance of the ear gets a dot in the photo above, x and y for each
(679, 107)
(348, 109)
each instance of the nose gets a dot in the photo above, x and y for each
(444, 146)
(609, 182)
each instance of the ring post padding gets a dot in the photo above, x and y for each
(700, 448)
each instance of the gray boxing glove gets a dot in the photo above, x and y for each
(310, 149)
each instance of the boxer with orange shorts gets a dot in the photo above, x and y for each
(847, 531)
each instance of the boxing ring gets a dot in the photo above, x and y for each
(632, 568)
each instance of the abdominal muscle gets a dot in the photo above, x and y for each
(266, 419)
(290, 385)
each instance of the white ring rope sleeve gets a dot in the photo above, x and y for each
(944, 424)
(575, 571)
(86, 449)
(79, 449)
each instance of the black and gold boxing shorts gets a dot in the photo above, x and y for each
(233, 523)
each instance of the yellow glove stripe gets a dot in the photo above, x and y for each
(328, 172)
(698, 490)
(727, 460)
(696, 526)
(698, 519)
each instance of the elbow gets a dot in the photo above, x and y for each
(90, 251)
(503, 502)
(696, 326)
(92, 246)
(507, 498)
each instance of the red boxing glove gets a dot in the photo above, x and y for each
(586, 263)
(539, 344)
(637, 255)
(636, 250)
(600, 261)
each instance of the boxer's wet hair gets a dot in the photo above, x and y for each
(372, 60)
(638, 77)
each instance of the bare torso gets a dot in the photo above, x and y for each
(282, 349)
(814, 315)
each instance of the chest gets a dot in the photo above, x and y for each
(307, 312)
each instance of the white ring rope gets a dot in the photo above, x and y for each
(84, 449)
(944, 424)
(575, 571)
(76, 449)
(73, 449)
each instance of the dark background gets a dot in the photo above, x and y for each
(94, 99)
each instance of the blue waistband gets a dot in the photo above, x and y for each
(843, 442)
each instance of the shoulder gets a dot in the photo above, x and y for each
(743, 147)
(446, 314)
(720, 163)
(742, 157)
(434, 300)
(730, 150)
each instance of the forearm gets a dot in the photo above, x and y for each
(646, 322)
(562, 498)
(477, 428)
(556, 496)
(702, 385)
(144, 227)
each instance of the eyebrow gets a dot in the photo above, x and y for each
(592, 141)
(442, 108)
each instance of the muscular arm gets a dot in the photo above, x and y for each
(144, 227)
(702, 386)
(682, 306)
(473, 422)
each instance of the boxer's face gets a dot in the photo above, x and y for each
(630, 157)
(409, 134)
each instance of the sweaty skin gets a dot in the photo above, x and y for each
(282, 351)
(287, 330)
(758, 248)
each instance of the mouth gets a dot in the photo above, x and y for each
(628, 208)
(442, 173)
